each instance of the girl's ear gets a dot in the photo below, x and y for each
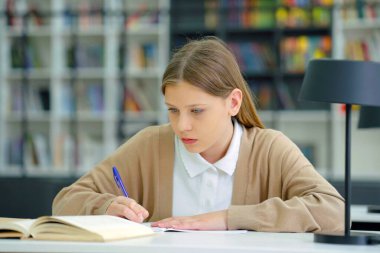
(235, 98)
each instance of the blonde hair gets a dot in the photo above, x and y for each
(209, 64)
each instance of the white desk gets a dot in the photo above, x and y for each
(359, 213)
(192, 243)
(195, 243)
(362, 220)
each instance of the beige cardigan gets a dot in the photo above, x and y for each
(275, 186)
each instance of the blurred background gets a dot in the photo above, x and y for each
(79, 77)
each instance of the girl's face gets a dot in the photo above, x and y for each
(200, 120)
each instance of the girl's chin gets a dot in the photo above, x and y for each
(193, 148)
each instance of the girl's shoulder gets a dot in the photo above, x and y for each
(255, 133)
(267, 137)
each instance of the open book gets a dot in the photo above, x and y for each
(95, 228)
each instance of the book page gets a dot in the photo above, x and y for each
(13, 227)
(158, 230)
(83, 228)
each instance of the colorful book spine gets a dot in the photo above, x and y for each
(253, 56)
(297, 51)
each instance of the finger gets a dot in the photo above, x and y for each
(133, 205)
(161, 222)
(131, 215)
(168, 223)
(139, 210)
(124, 211)
(187, 224)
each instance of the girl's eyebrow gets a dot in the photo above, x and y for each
(192, 105)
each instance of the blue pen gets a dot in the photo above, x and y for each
(118, 181)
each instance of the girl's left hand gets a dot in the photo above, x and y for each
(208, 221)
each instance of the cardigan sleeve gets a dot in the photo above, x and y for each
(90, 194)
(307, 203)
(94, 192)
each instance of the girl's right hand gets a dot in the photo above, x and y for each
(127, 208)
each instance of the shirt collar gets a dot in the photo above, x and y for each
(195, 164)
(228, 162)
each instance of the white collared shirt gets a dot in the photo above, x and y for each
(199, 186)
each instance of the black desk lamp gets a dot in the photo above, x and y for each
(347, 82)
(370, 118)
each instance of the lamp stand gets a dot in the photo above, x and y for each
(356, 237)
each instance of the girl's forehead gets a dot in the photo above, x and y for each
(184, 86)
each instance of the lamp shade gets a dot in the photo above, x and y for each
(369, 117)
(342, 81)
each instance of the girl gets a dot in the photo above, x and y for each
(214, 167)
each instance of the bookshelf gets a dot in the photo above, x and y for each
(273, 41)
(77, 79)
(356, 37)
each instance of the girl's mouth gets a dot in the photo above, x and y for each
(188, 141)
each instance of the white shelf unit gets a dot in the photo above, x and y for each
(365, 143)
(97, 86)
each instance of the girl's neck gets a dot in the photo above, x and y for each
(219, 150)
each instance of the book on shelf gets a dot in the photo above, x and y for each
(130, 102)
(65, 152)
(365, 47)
(359, 10)
(36, 55)
(264, 95)
(250, 14)
(36, 15)
(297, 51)
(143, 55)
(91, 98)
(93, 228)
(211, 13)
(253, 56)
(140, 89)
(37, 150)
(142, 15)
(294, 14)
(266, 98)
(36, 99)
(136, 99)
(285, 98)
(321, 16)
(83, 14)
(14, 146)
(14, 10)
(67, 101)
(76, 154)
(88, 54)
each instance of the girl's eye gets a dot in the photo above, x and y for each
(172, 110)
(197, 110)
